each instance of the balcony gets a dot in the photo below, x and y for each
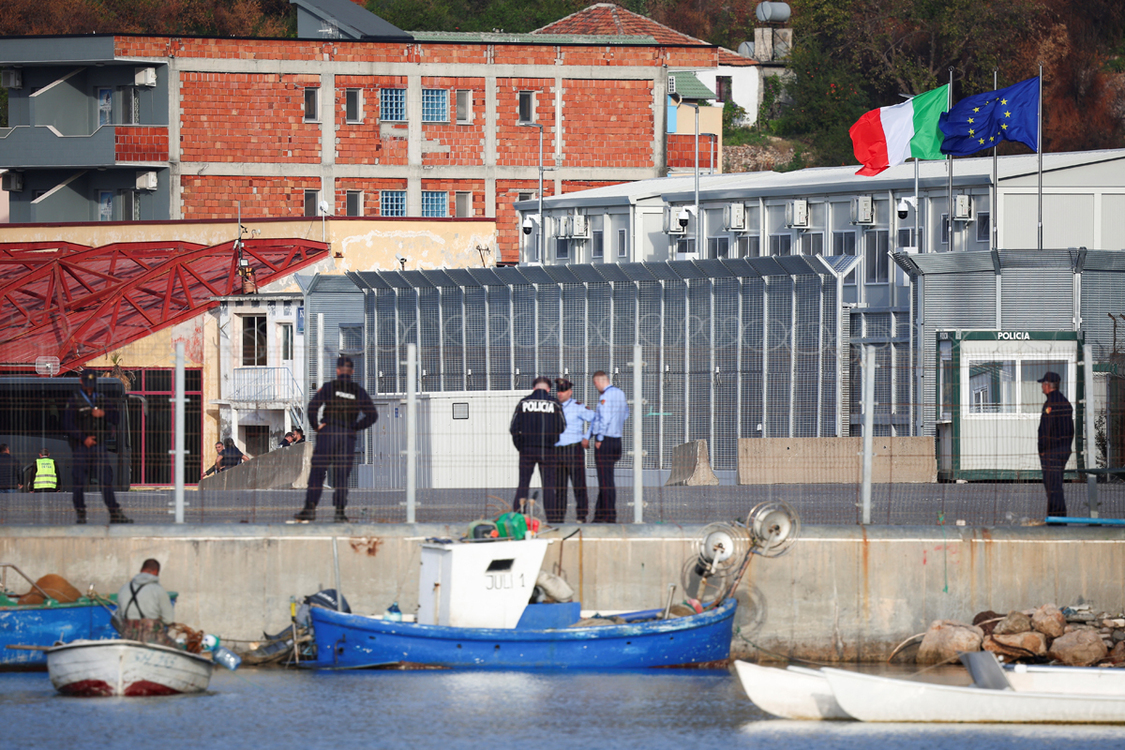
(31, 147)
(265, 385)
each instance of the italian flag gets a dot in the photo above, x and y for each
(888, 136)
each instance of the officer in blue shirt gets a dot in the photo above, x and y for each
(606, 429)
(571, 455)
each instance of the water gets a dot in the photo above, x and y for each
(283, 710)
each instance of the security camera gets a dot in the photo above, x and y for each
(683, 217)
(528, 225)
(400, 257)
(903, 209)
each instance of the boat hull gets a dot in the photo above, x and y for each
(793, 693)
(126, 668)
(881, 699)
(45, 626)
(345, 641)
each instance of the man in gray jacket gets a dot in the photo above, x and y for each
(145, 608)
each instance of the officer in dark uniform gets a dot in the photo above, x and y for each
(536, 425)
(1056, 431)
(343, 401)
(89, 420)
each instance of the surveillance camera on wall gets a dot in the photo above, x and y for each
(903, 208)
(400, 257)
(528, 225)
(683, 217)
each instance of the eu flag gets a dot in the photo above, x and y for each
(983, 120)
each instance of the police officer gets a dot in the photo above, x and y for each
(1056, 431)
(46, 476)
(343, 401)
(570, 456)
(536, 425)
(9, 470)
(89, 420)
(607, 429)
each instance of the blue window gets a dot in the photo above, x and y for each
(392, 203)
(435, 105)
(435, 203)
(392, 105)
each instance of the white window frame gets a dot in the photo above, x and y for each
(313, 93)
(622, 243)
(984, 226)
(464, 106)
(285, 341)
(944, 228)
(314, 195)
(357, 116)
(597, 244)
(530, 97)
(777, 241)
(130, 105)
(348, 196)
(879, 261)
(718, 247)
(562, 248)
(105, 106)
(749, 246)
(809, 241)
(463, 201)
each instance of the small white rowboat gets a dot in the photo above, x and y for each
(126, 668)
(792, 693)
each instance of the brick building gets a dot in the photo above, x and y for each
(353, 115)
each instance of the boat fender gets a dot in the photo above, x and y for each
(555, 587)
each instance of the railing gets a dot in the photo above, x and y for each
(258, 384)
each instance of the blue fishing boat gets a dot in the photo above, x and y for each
(474, 610)
(41, 625)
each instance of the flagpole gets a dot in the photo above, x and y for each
(1039, 144)
(949, 169)
(917, 238)
(995, 183)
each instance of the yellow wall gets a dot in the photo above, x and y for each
(357, 244)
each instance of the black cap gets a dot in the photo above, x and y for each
(343, 361)
(88, 378)
(1050, 377)
(563, 384)
(542, 379)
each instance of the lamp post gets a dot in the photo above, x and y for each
(539, 236)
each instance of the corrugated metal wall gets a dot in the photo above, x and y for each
(727, 345)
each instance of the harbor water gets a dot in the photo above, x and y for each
(283, 710)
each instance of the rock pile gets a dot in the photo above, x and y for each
(1074, 636)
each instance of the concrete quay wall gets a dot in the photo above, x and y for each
(841, 593)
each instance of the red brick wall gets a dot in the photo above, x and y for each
(608, 124)
(573, 186)
(217, 196)
(516, 145)
(235, 117)
(371, 189)
(681, 151)
(133, 143)
(507, 220)
(465, 142)
(370, 141)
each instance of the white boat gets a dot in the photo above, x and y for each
(126, 668)
(1032, 678)
(791, 693)
(883, 699)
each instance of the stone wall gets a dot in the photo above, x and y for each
(835, 460)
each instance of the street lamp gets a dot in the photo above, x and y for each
(677, 99)
(538, 238)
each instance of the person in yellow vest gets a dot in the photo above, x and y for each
(46, 476)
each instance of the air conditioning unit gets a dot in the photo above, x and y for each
(11, 78)
(797, 213)
(13, 182)
(146, 180)
(579, 226)
(734, 217)
(671, 221)
(963, 207)
(863, 210)
(144, 76)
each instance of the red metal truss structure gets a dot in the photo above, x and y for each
(78, 303)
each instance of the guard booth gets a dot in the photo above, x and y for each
(990, 400)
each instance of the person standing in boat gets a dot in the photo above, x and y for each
(570, 456)
(343, 401)
(536, 425)
(144, 609)
(89, 421)
(607, 430)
